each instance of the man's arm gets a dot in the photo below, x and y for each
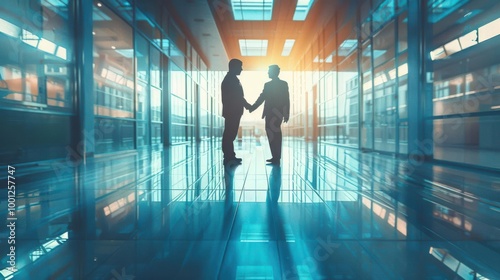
(259, 101)
(246, 104)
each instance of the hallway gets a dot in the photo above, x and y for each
(113, 112)
(325, 213)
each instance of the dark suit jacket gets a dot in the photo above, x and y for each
(233, 101)
(277, 99)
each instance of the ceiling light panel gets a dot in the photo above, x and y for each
(287, 47)
(253, 47)
(252, 9)
(302, 9)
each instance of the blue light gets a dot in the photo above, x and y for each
(252, 9)
(302, 9)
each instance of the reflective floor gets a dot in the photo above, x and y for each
(324, 213)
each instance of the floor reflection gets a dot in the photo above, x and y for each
(324, 213)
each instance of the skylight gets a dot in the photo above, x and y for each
(252, 9)
(287, 48)
(253, 47)
(302, 9)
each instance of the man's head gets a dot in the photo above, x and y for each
(235, 66)
(274, 71)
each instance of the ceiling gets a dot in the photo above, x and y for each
(213, 31)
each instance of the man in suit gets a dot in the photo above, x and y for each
(276, 110)
(232, 109)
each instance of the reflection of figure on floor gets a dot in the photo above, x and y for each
(274, 184)
(229, 171)
(229, 209)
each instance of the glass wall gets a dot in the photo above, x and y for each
(36, 55)
(157, 67)
(133, 47)
(465, 66)
(362, 98)
(36, 80)
(345, 126)
(179, 104)
(114, 80)
(362, 58)
(129, 101)
(383, 45)
(142, 90)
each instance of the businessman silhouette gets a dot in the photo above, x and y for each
(232, 109)
(276, 110)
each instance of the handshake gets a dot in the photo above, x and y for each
(250, 108)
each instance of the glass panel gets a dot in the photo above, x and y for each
(383, 45)
(367, 105)
(113, 64)
(142, 90)
(472, 140)
(177, 45)
(465, 81)
(156, 73)
(403, 137)
(123, 8)
(403, 32)
(402, 72)
(439, 9)
(177, 81)
(383, 14)
(347, 100)
(36, 55)
(156, 104)
(114, 135)
(384, 109)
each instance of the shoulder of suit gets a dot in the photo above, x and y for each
(283, 83)
(230, 79)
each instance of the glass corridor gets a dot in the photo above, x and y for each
(110, 116)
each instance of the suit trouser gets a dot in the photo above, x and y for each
(274, 135)
(231, 125)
